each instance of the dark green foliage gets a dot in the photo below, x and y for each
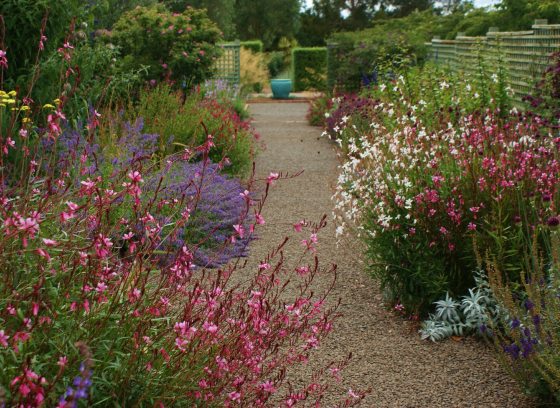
(276, 63)
(178, 47)
(326, 17)
(105, 13)
(354, 57)
(101, 80)
(544, 101)
(318, 23)
(309, 68)
(185, 120)
(268, 20)
(21, 32)
(358, 59)
(255, 46)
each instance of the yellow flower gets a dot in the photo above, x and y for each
(26, 120)
(12, 93)
(57, 101)
(48, 106)
(25, 108)
(9, 101)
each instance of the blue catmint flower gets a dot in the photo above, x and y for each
(513, 350)
(80, 389)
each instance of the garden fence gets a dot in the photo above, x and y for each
(524, 54)
(228, 67)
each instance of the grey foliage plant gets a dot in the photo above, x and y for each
(467, 316)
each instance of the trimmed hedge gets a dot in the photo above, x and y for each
(309, 68)
(254, 46)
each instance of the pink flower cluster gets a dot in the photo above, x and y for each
(80, 270)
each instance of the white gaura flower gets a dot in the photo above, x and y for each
(339, 230)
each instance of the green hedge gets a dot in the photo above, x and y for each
(255, 46)
(309, 68)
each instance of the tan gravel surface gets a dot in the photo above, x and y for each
(388, 355)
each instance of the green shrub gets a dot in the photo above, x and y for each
(181, 124)
(177, 47)
(355, 56)
(102, 80)
(276, 63)
(354, 62)
(254, 46)
(319, 108)
(20, 31)
(432, 167)
(309, 68)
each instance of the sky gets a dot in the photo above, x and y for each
(477, 3)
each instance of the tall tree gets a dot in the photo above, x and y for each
(401, 8)
(450, 6)
(222, 12)
(328, 16)
(267, 20)
(319, 22)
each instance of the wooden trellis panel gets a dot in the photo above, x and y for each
(228, 66)
(524, 54)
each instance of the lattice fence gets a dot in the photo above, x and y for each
(228, 67)
(524, 54)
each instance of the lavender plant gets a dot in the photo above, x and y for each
(215, 202)
(527, 338)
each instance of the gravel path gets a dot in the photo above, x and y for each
(388, 355)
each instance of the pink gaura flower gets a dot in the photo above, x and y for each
(102, 246)
(3, 59)
(42, 42)
(240, 230)
(272, 177)
(302, 270)
(50, 242)
(234, 396)
(210, 327)
(134, 295)
(62, 361)
(352, 394)
(135, 177)
(259, 219)
(4, 338)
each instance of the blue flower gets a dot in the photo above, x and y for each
(80, 389)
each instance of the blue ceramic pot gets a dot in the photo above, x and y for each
(281, 88)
